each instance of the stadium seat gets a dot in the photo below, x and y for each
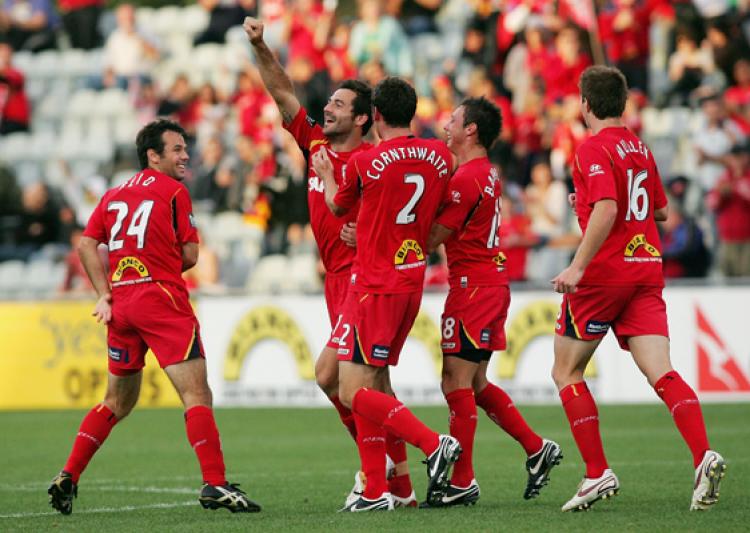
(144, 19)
(125, 130)
(270, 275)
(194, 19)
(11, 277)
(303, 271)
(82, 103)
(113, 103)
(46, 64)
(41, 145)
(38, 277)
(166, 20)
(15, 147)
(121, 176)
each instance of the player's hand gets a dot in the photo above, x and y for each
(254, 29)
(572, 201)
(349, 234)
(103, 308)
(567, 280)
(322, 164)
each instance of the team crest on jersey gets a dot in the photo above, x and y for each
(637, 242)
(456, 197)
(595, 170)
(130, 262)
(409, 245)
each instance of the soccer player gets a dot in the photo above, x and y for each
(401, 183)
(615, 281)
(147, 225)
(347, 121)
(473, 320)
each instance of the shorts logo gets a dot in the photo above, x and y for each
(380, 352)
(594, 327)
(464, 282)
(343, 351)
(409, 245)
(448, 345)
(484, 336)
(595, 170)
(119, 355)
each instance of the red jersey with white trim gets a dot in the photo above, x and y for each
(144, 222)
(471, 208)
(615, 164)
(402, 182)
(336, 256)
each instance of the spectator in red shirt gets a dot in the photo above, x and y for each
(624, 32)
(730, 200)
(14, 106)
(250, 100)
(561, 74)
(516, 239)
(737, 97)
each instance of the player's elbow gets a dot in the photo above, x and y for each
(661, 214)
(189, 256)
(336, 209)
(607, 210)
(87, 246)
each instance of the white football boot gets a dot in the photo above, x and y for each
(591, 491)
(707, 478)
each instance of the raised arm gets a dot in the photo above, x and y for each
(274, 78)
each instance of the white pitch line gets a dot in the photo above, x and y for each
(102, 510)
(113, 488)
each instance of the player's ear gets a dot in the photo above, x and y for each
(360, 120)
(152, 155)
(470, 129)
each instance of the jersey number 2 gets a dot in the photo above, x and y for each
(137, 226)
(406, 215)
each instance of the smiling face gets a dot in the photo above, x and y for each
(173, 159)
(455, 131)
(338, 114)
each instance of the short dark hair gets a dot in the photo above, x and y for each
(362, 103)
(150, 138)
(605, 90)
(396, 100)
(486, 116)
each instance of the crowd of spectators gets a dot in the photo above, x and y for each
(525, 55)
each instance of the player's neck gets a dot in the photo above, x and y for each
(345, 144)
(598, 125)
(391, 133)
(469, 153)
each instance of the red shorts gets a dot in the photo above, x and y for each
(374, 327)
(151, 315)
(588, 313)
(336, 289)
(473, 322)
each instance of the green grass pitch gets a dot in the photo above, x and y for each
(299, 464)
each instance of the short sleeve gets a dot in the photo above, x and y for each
(96, 227)
(305, 130)
(183, 217)
(349, 190)
(597, 171)
(461, 198)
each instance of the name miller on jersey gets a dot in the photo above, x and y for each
(392, 155)
(628, 147)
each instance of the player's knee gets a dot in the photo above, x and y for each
(479, 383)
(120, 406)
(563, 376)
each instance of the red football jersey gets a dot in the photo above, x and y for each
(471, 208)
(402, 182)
(144, 222)
(336, 256)
(615, 164)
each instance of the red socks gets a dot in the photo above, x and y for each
(347, 418)
(94, 430)
(686, 411)
(395, 447)
(204, 438)
(371, 446)
(583, 416)
(499, 407)
(463, 425)
(393, 416)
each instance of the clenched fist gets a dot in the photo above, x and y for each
(254, 29)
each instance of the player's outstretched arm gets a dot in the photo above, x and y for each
(600, 224)
(438, 235)
(89, 254)
(275, 79)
